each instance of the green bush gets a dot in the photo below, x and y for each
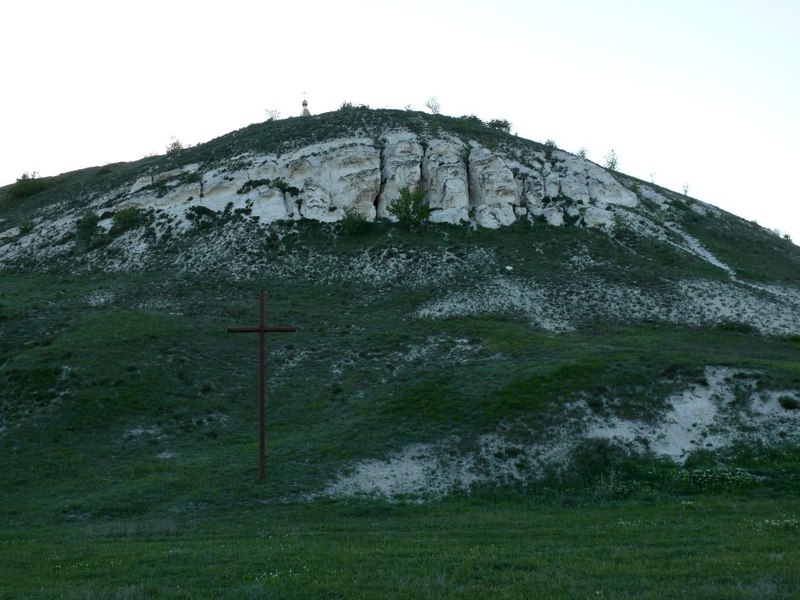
(87, 226)
(410, 209)
(202, 217)
(126, 219)
(500, 125)
(193, 177)
(353, 222)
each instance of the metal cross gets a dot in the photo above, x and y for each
(261, 330)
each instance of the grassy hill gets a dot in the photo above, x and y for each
(523, 381)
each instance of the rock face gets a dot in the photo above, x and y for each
(446, 182)
(493, 190)
(463, 182)
(401, 167)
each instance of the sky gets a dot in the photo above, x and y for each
(704, 93)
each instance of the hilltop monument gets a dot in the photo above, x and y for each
(305, 112)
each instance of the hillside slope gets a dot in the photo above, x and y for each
(553, 321)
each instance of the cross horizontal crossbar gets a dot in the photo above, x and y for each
(261, 330)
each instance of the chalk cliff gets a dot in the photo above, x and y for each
(463, 181)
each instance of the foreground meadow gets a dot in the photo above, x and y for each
(507, 547)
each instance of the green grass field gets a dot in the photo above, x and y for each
(480, 547)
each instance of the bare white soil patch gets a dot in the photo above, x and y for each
(771, 310)
(503, 295)
(724, 410)
(697, 420)
(424, 471)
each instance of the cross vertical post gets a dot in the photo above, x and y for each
(262, 330)
(262, 390)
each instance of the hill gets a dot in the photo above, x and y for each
(619, 280)
(554, 329)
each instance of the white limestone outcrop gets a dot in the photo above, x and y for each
(444, 173)
(493, 190)
(463, 182)
(401, 168)
(334, 176)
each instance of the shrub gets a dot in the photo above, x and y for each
(593, 458)
(410, 209)
(500, 125)
(194, 177)
(549, 146)
(349, 106)
(789, 403)
(353, 222)
(202, 217)
(126, 219)
(87, 226)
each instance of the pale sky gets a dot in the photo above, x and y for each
(704, 92)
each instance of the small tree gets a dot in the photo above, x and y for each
(174, 146)
(611, 160)
(583, 152)
(410, 209)
(433, 105)
(273, 115)
(685, 189)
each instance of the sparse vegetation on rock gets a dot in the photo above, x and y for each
(410, 209)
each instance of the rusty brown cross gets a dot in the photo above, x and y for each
(261, 330)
